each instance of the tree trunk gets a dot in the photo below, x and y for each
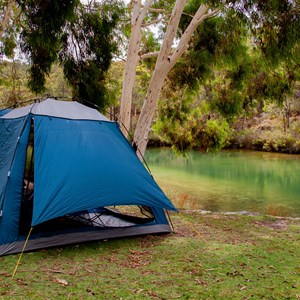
(6, 17)
(143, 126)
(132, 61)
(165, 61)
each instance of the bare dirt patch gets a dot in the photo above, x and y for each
(279, 224)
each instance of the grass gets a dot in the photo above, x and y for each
(211, 256)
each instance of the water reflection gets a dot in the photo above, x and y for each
(230, 180)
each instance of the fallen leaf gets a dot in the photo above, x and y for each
(61, 281)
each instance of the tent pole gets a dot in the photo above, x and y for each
(21, 103)
(18, 262)
(170, 220)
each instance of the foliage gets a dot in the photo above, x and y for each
(187, 124)
(55, 84)
(113, 82)
(214, 136)
(80, 36)
(42, 35)
(88, 50)
(264, 132)
(210, 256)
(242, 58)
(9, 14)
(223, 44)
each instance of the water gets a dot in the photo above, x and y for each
(229, 181)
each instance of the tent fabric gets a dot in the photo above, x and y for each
(18, 112)
(60, 109)
(4, 111)
(59, 239)
(11, 186)
(68, 110)
(82, 162)
(10, 131)
(76, 160)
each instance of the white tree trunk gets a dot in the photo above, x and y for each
(138, 15)
(165, 61)
(143, 126)
(6, 17)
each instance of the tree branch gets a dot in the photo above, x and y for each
(158, 10)
(145, 9)
(6, 17)
(198, 18)
(149, 55)
(171, 30)
(213, 13)
(154, 21)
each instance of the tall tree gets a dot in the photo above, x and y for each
(166, 59)
(274, 26)
(78, 36)
(88, 49)
(42, 35)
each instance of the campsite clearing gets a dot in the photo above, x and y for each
(211, 256)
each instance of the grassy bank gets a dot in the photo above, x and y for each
(210, 256)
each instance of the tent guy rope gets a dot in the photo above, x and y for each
(21, 254)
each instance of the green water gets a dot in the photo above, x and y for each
(229, 181)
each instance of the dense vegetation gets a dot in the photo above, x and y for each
(236, 86)
(80, 37)
(263, 127)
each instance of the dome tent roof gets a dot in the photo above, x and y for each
(60, 109)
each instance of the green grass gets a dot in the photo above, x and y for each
(210, 256)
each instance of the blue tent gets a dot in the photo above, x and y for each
(70, 174)
(4, 111)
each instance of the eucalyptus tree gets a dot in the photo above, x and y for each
(191, 33)
(79, 36)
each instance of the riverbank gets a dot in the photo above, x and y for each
(268, 131)
(210, 256)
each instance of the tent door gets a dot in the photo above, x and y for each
(28, 187)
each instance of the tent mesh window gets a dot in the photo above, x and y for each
(102, 217)
(116, 216)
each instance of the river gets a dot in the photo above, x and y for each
(229, 181)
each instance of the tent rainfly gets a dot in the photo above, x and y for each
(69, 173)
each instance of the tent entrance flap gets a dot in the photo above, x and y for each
(28, 187)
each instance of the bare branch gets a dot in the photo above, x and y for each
(213, 13)
(171, 30)
(158, 10)
(149, 55)
(189, 15)
(199, 17)
(154, 21)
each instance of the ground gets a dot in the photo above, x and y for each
(210, 256)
